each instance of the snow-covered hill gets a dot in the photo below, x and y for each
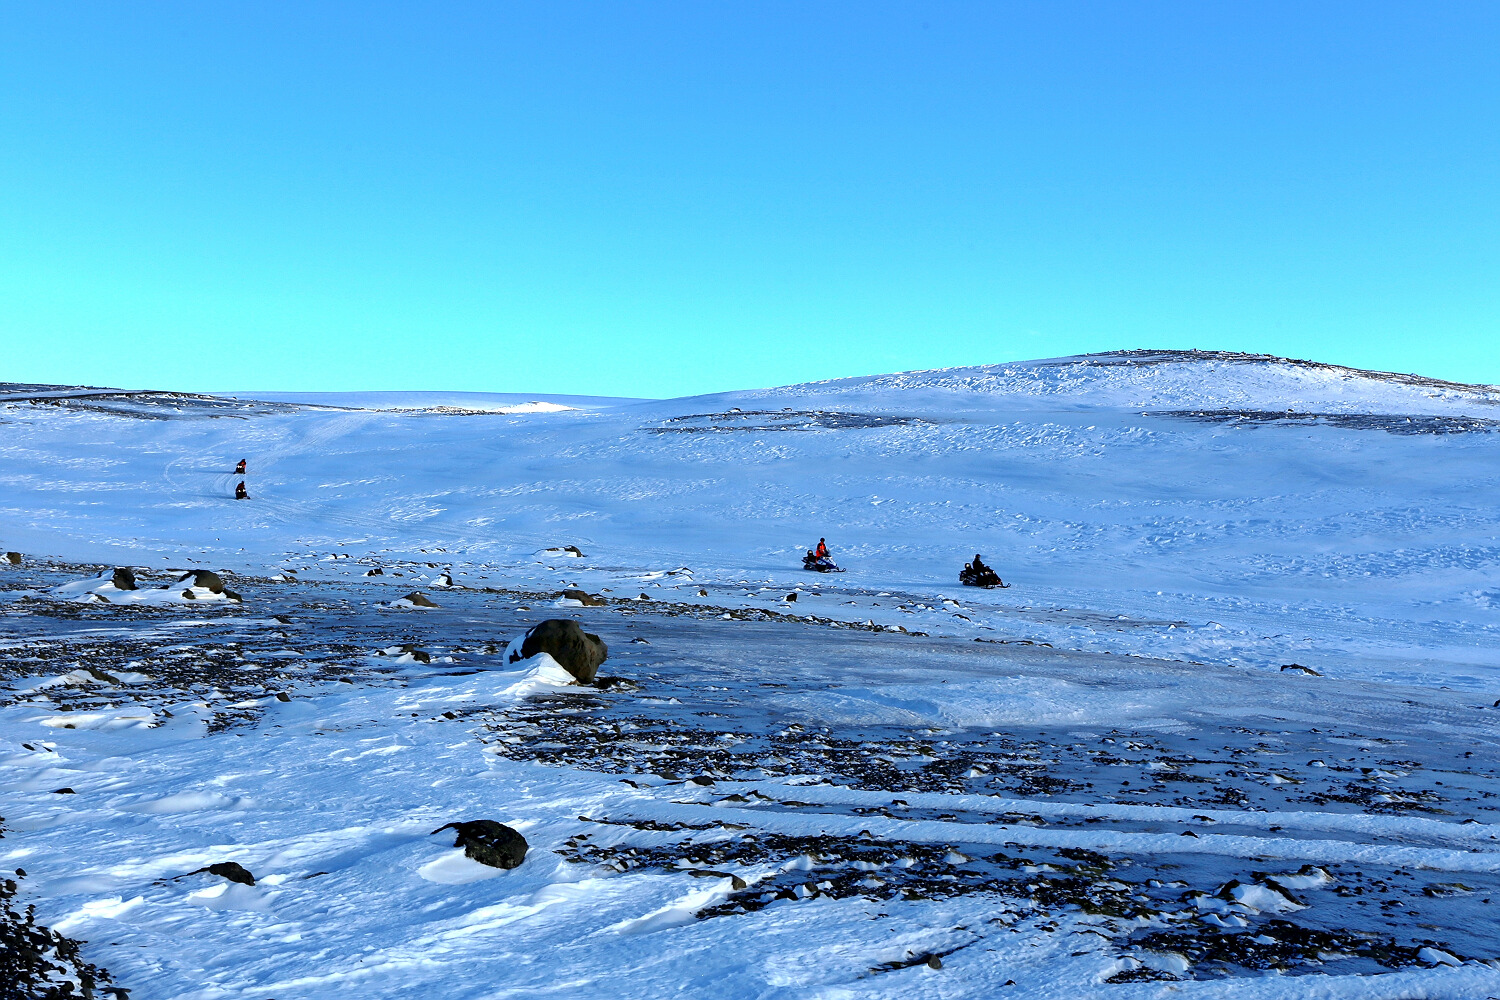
(1254, 500)
(1103, 780)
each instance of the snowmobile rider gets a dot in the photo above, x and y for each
(239, 470)
(822, 549)
(240, 493)
(979, 566)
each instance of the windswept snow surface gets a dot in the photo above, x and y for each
(1097, 782)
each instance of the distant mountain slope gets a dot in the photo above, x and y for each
(1155, 380)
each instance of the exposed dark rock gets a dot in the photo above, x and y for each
(377, 571)
(124, 578)
(419, 599)
(488, 842)
(14, 558)
(206, 578)
(63, 791)
(1299, 668)
(37, 961)
(233, 871)
(584, 597)
(577, 651)
(791, 597)
(616, 684)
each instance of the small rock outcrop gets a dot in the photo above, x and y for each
(124, 578)
(419, 599)
(488, 842)
(14, 558)
(231, 870)
(578, 652)
(205, 578)
(584, 597)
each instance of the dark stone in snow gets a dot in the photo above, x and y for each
(14, 558)
(1299, 668)
(124, 578)
(377, 571)
(791, 597)
(63, 791)
(577, 651)
(206, 578)
(584, 597)
(232, 870)
(419, 599)
(488, 842)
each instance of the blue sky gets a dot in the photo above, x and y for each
(666, 198)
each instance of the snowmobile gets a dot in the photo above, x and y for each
(239, 470)
(240, 493)
(982, 576)
(812, 562)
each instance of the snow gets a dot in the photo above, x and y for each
(1094, 774)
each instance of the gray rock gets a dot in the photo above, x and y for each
(488, 842)
(124, 578)
(578, 652)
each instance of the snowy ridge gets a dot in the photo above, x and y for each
(1165, 380)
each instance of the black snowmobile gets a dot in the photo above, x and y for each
(824, 565)
(977, 574)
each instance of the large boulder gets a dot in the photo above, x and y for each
(578, 652)
(488, 842)
(124, 578)
(583, 597)
(205, 578)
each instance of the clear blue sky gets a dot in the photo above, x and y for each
(664, 198)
